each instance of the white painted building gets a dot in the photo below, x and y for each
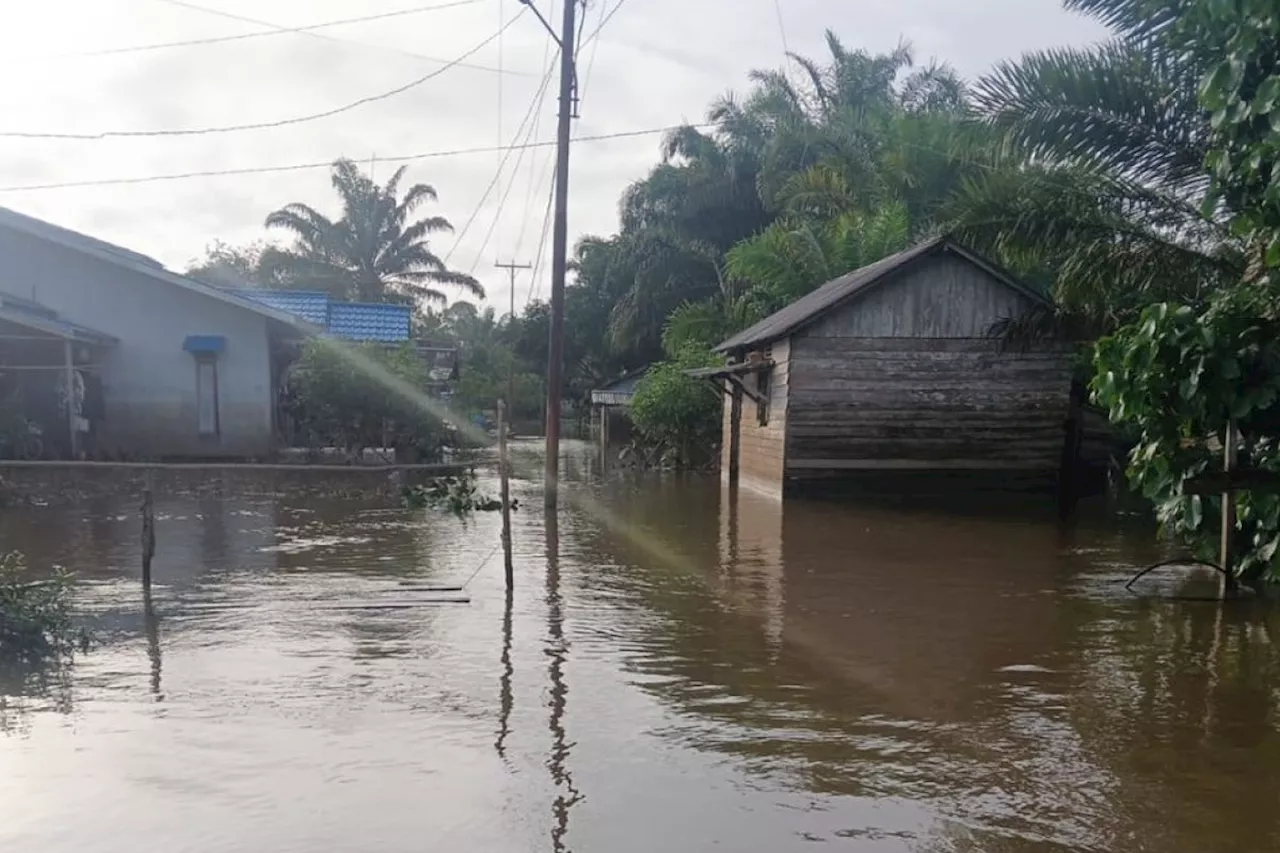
(186, 369)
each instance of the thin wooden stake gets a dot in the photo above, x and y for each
(504, 474)
(1228, 511)
(148, 533)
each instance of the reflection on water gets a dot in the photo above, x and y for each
(674, 662)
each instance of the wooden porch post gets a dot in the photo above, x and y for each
(735, 434)
(70, 378)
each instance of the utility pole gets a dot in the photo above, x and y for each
(560, 252)
(511, 267)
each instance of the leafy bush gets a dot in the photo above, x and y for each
(35, 618)
(675, 414)
(361, 398)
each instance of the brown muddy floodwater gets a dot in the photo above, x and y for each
(676, 673)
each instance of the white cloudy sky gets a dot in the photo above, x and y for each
(657, 63)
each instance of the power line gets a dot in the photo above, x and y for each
(595, 47)
(116, 134)
(607, 18)
(273, 30)
(515, 145)
(782, 31)
(325, 164)
(307, 31)
(533, 167)
(515, 174)
(542, 243)
(548, 170)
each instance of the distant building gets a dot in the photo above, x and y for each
(612, 402)
(889, 374)
(158, 364)
(360, 322)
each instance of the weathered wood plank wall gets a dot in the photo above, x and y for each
(762, 454)
(905, 379)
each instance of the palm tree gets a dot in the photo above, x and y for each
(793, 256)
(375, 252)
(1101, 178)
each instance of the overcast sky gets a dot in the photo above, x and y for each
(655, 64)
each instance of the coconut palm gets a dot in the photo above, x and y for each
(375, 252)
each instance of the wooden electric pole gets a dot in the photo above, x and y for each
(511, 267)
(559, 253)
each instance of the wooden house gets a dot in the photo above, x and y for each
(891, 374)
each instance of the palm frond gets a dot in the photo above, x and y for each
(1112, 244)
(1114, 107)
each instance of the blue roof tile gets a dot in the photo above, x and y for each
(363, 321)
(310, 305)
(352, 321)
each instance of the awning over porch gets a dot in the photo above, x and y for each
(37, 318)
(742, 368)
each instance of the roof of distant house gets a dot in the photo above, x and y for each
(618, 392)
(352, 321)
(814, 304)
(128, 259)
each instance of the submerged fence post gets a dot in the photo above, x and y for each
(504, 472)
(148, 531)
(1229, 440)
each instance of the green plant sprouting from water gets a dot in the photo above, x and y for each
(36, 627)
(456, 494)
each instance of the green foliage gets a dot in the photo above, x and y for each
(1101, 176)
(224, 265)
(374, 252)
(335, 402)
(1242, 91)
(675, 414)
(793, 256)
(1177, 376)
(458, 495)
(36, 627)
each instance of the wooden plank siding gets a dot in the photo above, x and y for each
(762, 454)
(904, 378)
(943, 296)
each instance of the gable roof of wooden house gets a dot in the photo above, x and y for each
(840, 291)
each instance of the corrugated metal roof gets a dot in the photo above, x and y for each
(366, 321)
(812, 305)
(310, 305)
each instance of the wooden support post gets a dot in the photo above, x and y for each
(148, 533)
(604, 438)
(69, 376)
(735, 434)
(1068, 468)
(1229, 441)
(504, 475)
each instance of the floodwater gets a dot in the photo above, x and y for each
(676, 671)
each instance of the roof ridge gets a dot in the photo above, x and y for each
(828, 295)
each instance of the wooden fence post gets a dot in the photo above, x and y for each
(148, 532)
(1229, 439)
(504, 472)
